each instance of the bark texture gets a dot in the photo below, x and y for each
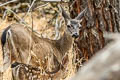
(102, 15)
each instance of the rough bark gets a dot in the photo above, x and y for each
(102, 15)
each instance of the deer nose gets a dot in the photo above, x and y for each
(75, 35)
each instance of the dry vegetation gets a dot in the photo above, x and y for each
(43, 22)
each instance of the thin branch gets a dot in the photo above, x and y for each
(4, 15)
(14, 14)
(42, 6)
(32, 21)
(3, 4)
(30, 8)
(52, 0)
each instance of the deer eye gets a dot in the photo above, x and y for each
(68, 26)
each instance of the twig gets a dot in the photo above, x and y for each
(21, 20)
(3, 4)
(73, 3)
(32, 21)
(30, 8)
(41, 6)
(52, 0)
(4, 15)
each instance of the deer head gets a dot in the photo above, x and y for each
(73, 25)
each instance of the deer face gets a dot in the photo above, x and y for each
(73, 25)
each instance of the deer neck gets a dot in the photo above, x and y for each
(64, 43)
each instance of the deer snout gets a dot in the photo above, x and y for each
(75, 35)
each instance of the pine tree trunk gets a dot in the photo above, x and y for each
(102, 15)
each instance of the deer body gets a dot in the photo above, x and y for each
(27, 48)
(24, 42)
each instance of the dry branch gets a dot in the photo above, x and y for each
(8, 2)
(52, 0)
(105, 65)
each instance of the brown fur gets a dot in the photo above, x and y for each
(31, 49)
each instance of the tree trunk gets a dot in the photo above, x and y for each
(101, 15)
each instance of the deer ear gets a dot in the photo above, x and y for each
(80, 15)
(64, 14)
(80, 20)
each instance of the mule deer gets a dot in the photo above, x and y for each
(19, 44)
